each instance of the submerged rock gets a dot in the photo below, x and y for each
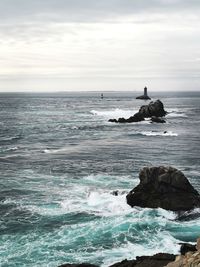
(163, 187)
(153, 110)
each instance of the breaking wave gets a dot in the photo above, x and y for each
(116, 113)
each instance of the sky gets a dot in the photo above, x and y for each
(89, 45)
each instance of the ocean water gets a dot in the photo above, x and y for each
(61, 160)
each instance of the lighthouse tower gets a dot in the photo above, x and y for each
(145, 91)
(145, 96)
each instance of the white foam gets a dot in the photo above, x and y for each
(59, 150)
(175, 112)
(114, 114)
(163, 242)
(99, 203)
(152, 133)
(9, 149)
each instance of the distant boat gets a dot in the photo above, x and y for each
(145, 95)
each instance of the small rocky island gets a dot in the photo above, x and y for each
(164, 187)
(144, 96)
(154, 110)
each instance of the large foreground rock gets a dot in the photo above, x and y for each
(153, 110)
(164, 187)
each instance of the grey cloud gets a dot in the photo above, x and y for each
(87, 10)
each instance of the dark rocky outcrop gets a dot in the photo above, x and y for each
(185, 247)
(164, 187)
(158, 260)
(157, 120)
(153, 110)
(135, 118)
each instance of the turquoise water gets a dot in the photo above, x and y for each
(60, 162)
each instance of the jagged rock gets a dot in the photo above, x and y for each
(189, 259)
(158, 260)
(198, 244)
(154, 110)
(157, 119)
(185, 247)
(164, 187)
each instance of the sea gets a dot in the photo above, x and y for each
(61, 163)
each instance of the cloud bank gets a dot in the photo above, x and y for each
(99, 45)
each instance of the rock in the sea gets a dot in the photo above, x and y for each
(158, 260)
(157, 119)
(164, 187)
(154, 110)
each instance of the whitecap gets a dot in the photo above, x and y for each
(163, 242)
(175, 112)
(115, 113)
(9, 149)
(154, 133)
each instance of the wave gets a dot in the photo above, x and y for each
(175, 113)
(116, 113)
(11, 138)
(116, 231)
(163, 242)
(3, 150)
(154, 133)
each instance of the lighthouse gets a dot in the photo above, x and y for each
(145, 95)
(145, 91)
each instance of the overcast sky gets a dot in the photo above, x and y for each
(68, 45)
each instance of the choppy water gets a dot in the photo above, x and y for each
(60, 161)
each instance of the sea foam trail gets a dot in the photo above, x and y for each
(175, 113)
(116, 113)
(154, 133)
(8, 149)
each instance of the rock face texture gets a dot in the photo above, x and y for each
(164, 187)
(158, 260)
(153, 110)
(157, 119)
(189, 259)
